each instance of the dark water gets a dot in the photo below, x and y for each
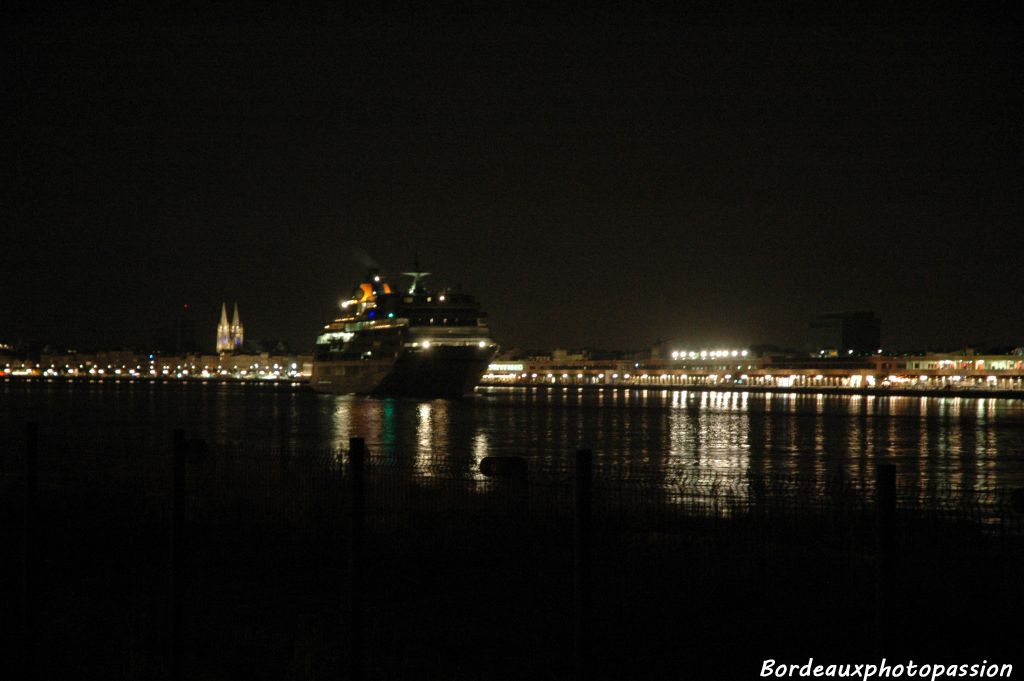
(934, 441)
(477, 585)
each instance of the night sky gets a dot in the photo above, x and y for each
(606, 179)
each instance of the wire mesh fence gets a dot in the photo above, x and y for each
(464, 575)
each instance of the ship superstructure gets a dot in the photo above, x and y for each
(413, 342)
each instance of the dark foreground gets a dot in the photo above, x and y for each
(474, 579)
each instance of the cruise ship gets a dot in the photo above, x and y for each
(413, 342)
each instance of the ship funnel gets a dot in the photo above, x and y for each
(415, 287)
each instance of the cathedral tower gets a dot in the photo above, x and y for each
(224, 330)
(237, 331)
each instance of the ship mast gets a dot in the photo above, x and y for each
(414, 288)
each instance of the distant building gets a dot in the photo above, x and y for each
(229, 336)
(274, 347)
(846, 333)
(51, 357)
(185, 332)
(118, 358)
(563, 355)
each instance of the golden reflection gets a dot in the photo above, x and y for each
(424, 435)
(955, 407)
(924, 444)
(341, 422)
(987, 475)
(991, 446)
(704, 437)
(355, 417)
(708, 446)
(481, 449)
(432, 437)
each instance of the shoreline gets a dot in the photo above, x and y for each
(276, 382)
(871, 392)
(303, 385)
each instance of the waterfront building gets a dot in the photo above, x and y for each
(737, 369)
(263, 365)
(12, 366)
(846, 333)
(117, 358)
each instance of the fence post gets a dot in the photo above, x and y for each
(356, 459)
(885, 499)
(29, 658)
(177, 528)
(582, 562)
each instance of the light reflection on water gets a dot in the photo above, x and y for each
(973, 444)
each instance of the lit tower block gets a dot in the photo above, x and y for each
(224, 330)
(237, 331)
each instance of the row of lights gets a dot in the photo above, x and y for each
(426, 345)
(822, 353)
(705, 354)
(178, 371)
(351, 301)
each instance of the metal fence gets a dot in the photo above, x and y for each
(204, 560)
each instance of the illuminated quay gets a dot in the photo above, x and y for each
(741, 370)
(235, 360)
(134, 366)
(934, 373)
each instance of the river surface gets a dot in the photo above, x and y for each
(963, 443)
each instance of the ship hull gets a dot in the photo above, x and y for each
(441, 371)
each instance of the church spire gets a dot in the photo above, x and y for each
(224, 330)
(237, 331)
